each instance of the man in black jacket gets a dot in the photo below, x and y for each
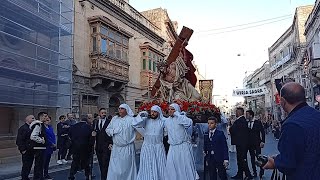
(103, 142)
(80, 135)
(256, 140)
(239, 132)
(63, 140)
(70, 122)
(24, 146)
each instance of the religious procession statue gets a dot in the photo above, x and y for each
(177, 79)
(176, 84)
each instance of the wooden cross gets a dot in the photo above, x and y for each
(181, 42)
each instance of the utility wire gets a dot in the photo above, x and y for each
(246, 24)
(249, 27)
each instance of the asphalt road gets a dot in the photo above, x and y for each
(270, 149)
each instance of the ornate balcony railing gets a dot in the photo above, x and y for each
(106, 68)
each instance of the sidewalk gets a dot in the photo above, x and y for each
(12, 170)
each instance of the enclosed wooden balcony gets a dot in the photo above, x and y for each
(106, 68)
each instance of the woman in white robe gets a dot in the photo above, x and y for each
(122, 165)
(180, 161)
(153, 156)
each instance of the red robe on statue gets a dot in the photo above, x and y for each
(188, 57)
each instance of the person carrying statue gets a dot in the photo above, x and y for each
(153, 156)
(180, 161)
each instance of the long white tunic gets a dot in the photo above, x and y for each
(153, 156)
(180, 161)
(122, 165)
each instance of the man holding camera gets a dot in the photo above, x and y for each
(298, 145)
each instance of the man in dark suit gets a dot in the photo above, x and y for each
(103, 143)
(70, 122)
(80, 135)
(256, 140)
(239, 132)
(24, 146)
(216, 151)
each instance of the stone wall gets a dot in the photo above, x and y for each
(133, 91)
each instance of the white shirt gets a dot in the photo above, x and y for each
(211, 132)
(250, 123)
(101, 121)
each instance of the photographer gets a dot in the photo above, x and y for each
(299, 145)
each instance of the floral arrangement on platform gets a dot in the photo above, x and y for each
(193, 109)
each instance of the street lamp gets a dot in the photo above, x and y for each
(34, 86)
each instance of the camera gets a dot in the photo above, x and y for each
(261, 160)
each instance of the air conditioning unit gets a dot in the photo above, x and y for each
(314, 51)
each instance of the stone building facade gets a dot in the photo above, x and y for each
(312, 60)
(286, 56)
(261, 104)
(116, 52)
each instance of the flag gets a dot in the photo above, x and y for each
(279, 84)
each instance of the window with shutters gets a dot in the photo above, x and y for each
(144, 64)
(109, 42)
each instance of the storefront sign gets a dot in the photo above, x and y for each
(250, 92)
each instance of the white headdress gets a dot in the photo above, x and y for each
(127, 108)
(158, 109)
(176, 107)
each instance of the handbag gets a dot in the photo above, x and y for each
(276, 175)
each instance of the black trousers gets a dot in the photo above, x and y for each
(38, 164)
(70, 153)
(213, 166)
(242, 160)
(27, 161)
(62, 152)
(80, 161)
(103, 159)
(254, 151)
(46, 162)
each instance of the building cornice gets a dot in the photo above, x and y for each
(124, 17)
(171, 29)
(147, 45)
(312, 17)
(106, 21)
(284, 36)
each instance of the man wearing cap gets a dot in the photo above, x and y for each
(122, 164)
(153, 156)
(180, 162)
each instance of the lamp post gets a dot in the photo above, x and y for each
(34, 86)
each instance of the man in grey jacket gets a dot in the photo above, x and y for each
(38, 140)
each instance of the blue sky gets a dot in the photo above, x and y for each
(216, 54)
